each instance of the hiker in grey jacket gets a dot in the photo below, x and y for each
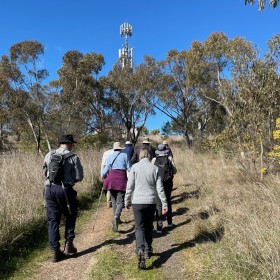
(145, 185)
(72, 171)
(61, 197)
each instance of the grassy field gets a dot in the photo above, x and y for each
(22, 214)
(234, 216)
(235, 211)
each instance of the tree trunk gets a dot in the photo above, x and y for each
(262, 171)
(187, 137)
(37, 138)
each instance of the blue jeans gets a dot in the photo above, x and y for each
(56, 207)
(143, 216)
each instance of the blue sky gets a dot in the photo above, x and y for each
(158, 26)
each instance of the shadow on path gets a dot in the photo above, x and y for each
(185, 195)
(167, 230)
(213, 236)
(124, 241)
(180, 211)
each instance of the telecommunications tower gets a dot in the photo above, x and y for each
(125, 53)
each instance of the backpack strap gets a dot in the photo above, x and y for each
(68, 155)
(111, 165)
(64, 156)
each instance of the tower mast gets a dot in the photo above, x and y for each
(125, 53)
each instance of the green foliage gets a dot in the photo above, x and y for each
(155, 131)
(214, 144)
(144, 131)
(93, 141)
(261, 3)
(80, 104)
(132, 95)
(166, 128)
(174, 127)
(13, 254)
(274, 155)
(27, 97)
(219, 88)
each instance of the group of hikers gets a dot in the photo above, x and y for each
(140, 178)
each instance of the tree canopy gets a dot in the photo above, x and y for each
(262, 3)
(220, 93)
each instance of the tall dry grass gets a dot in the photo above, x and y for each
(21, 189)
(247, 211)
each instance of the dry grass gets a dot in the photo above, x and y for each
(174, 141)
(21, 189)
(239, 214)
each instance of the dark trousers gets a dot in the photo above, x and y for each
(143, 216)
(56, 205)
(117, 198)
(168, 186)
(159, 217)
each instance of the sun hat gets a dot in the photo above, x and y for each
(117, 146)
(128, 143)
(146, 141)
(165, 142)
(161, 150)
(67, 139)
(161, 147)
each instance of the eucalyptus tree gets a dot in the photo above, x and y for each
(5, 115)
(261, 3)
(26, 95)
(257, 84)
(82, 105)
(178, 95)
(229, 61)
(247, 87)
(132, 94)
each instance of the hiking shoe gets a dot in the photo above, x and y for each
(170, 225)
(141, 259)
(58, 256)
(115, 224)
(148, 253)
(70, 249)
(159, 229)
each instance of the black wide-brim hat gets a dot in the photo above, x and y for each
(66, 139)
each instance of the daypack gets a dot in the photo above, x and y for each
(56, 167)
(165, 167)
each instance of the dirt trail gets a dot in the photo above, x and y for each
(87, 241)
(166, 246)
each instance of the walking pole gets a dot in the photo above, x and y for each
(97, 210)
(66, 198)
